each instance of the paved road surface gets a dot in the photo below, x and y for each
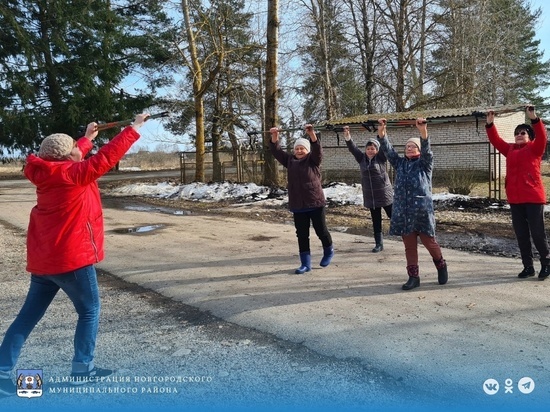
(447, 340)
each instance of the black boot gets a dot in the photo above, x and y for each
(412, 283)
(414, 279)
(442, 274)
(527, 272)
(544, 272)
(379, 244)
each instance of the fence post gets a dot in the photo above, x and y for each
(182, 168)
(494, 174)
(239, 165)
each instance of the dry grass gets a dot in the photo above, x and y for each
(138, 161)
(150, 161)
(13, 169)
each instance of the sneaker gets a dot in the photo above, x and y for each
(544, 272)
(92, 376)
(7, 387)
(527, 272)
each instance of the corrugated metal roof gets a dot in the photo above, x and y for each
(427, 114)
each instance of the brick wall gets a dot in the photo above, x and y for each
(462, 145)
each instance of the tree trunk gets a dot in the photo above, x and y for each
(271, 177)
(399, 96)
(328, 89)
(197, 95)
(199, 140)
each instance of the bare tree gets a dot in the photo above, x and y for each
(321, 18)
(364, 18)
(200, 85)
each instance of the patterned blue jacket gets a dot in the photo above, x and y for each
(413, 209)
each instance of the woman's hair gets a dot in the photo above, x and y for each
(527, 128)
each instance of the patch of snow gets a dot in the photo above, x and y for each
(242, 193)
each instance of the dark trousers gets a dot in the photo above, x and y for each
(528, 222)
(302, 222)
(376, 217)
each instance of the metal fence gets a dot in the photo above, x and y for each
(248, 166)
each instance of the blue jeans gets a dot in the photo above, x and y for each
(81, 287)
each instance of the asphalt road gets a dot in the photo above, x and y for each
(446, 346)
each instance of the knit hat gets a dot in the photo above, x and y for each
(527, 128)
(57, 146)
(302, 142)
(415, 140)
(374, 143)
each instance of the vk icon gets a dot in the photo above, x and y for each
(490, 386)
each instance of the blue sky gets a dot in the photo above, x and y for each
(543, 31)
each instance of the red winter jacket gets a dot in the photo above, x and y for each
(523, 176)
(66, 226)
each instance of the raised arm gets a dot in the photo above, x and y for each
(493, 136)
(352, 147)
(422, 126)
(541, 139)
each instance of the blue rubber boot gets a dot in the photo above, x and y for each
(305, 259)
(328, 253)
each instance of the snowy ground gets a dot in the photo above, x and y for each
(335, 193)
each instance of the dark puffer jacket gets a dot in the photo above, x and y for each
(304, 177)
(377, 188)
(413, 209)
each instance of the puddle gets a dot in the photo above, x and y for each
(165, 210)
(139, 230)
(341, 229)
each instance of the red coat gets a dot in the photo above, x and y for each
(523, 177)
(65, 230)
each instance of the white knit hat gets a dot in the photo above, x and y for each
(415, 140)
(57, 146)
(302, 142)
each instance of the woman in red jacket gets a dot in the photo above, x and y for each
(524, 188)
(64, 241)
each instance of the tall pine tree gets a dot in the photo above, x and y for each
(62, 63)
